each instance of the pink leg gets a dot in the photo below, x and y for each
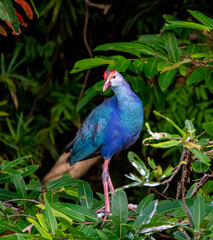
(111, 188)
(106, 184)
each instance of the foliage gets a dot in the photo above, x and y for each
(12, 18)
(171, 72)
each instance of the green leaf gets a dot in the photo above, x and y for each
(158, 97)
(175, 65)
(196, 76)
(11, 13)
(5, 165)
(7, 195)
(138, 164)
(182, 24)
(43, 221)
(119, 211)
(199, 211)
(190, 128)
(20, 185)
(134, 48)
(69, 212)
(17, 236)
(65, 181)
(34, 184)
(171, 46)
(151, 67)
(199, 166)
(170, 121)
(143, 203)
(166, 78)
(146, 215)
(121, 64)
(51, 220)
(180, 235)
(89, 94)
(166, 144)
(208, 127)
(85, 194)
(4, 178)
(208, 22)
(40, 229)
(90, 63)
(201, 156)
(26, 171)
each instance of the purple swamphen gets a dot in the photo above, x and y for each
(111, 127)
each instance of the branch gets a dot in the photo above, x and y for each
(202, 181)
(186, 172)
(175, 171)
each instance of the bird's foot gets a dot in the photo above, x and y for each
(132, 207)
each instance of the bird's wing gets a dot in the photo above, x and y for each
(90, 136)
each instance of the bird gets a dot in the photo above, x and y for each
(111, 127)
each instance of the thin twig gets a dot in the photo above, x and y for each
(155, 190)
(24, 199)
(175, 171)
(104, 7)
(202, 181)
(28, 228)
(20, 215)
(184, 203)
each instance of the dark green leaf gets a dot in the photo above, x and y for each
(7, 195)
(201, 156)
(90, 93)
(143, 203)
(190, 128)
(208, 22)
(134, 48)
(85, 194)
(182, 24)
(180, 235)
(65, 181)
(196, 76)
(51, 220)
(158, 97)
(90, 63)
(199, 166)
(208, 127)
(199, 211)
(171, 46)
(151, 67)
(20, 185)
(146, 215)
(73, 214)
(5, 165)
(119, 211)
(166, 78)
(28, 170)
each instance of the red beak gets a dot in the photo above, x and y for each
(107, 77)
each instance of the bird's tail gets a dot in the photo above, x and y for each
(69, 147)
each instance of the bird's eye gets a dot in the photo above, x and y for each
(114, 76)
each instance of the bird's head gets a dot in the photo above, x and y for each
(112, 79)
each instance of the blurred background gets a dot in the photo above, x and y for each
(39, 95)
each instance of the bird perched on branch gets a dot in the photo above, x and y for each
(111, 127)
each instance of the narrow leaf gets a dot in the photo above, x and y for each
(182, 24)
(190, 128)
(51, 220)
(158, 97)
(146, 215)
(20, 186)
(166, 78)
(208, 127)
(171, 46)
(166, 144)
(85, 194)
(143, 203)
(199, 211)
